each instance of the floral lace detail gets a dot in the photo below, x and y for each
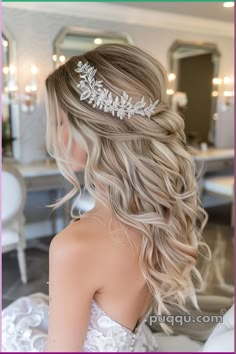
(106, 335)
(25, 326)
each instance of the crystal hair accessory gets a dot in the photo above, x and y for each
(100, 97)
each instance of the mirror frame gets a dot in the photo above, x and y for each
(14, 107)
(209, 48)
(85, 31)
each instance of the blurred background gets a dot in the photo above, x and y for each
(194, 41)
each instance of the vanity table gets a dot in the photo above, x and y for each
(45, 176)
(213, 159)
(214, 154)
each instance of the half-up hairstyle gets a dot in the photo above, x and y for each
(145, 164)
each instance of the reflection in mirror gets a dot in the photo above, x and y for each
(6, 109)
(76, 41)
(195, 65)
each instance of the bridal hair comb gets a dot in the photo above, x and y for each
(100, 97)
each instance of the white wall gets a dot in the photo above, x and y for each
(35, 31)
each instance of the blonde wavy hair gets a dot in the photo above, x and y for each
(145, 163)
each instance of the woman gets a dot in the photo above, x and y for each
(136, 250)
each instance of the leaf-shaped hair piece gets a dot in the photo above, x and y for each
(95, 93)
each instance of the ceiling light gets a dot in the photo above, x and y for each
(228, 4)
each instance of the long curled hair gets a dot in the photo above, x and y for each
(145, 164)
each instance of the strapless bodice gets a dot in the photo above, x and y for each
(105, 334)
(25, 326)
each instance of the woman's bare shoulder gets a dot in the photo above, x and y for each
(94, 242)
(80, 238)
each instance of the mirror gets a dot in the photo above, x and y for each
(10, 109)
(195, 65)
(76, 41)
(6, 108)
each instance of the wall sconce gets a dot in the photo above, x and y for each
(29, 97)
(228, 91)
(224, 88)
(97, 41)
(216, 82)
(171, 84)
(10, 88)
(59, 58)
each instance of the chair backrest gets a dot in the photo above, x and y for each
(13, 193)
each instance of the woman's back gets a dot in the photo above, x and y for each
(124, 294)
(116, 311)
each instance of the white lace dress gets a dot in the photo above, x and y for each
(25, 325)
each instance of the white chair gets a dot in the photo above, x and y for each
(221, 339)
(221, 186)
(13, 202)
